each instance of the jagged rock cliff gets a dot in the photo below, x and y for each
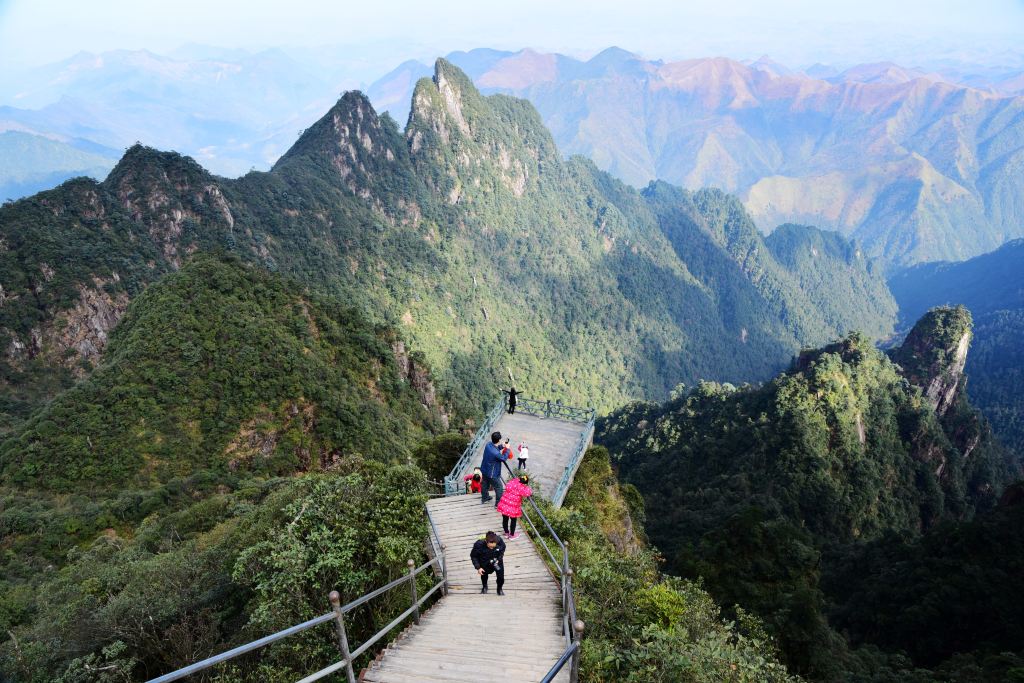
(934, 354)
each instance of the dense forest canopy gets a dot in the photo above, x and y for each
(151, 514)
(767, 492)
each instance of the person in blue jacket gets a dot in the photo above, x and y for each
(490, 468)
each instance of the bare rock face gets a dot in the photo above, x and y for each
(257, 440)
(417, 374)
(452, 100)
(942, 390)
(934, 354)
(76, 334)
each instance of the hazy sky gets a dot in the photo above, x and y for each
(38, 31)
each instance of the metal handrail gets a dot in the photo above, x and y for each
(572, 626)
(570, 467)
(337, 614)
(452, 484)
(528, 406)
(538, 408)
(569, 653)
(439, 549)
(242, 649)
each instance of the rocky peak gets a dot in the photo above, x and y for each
(450, 86)
(143, 167)
(354, 148)
(934, 354)
(467, 143)
(440, 106)
(167, 193)
(351, 140)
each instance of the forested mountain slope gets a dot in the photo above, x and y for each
(992, 287)
(219, 366)
(467, 232)
(764, 490)
(914, 167)
(146, 512)
(244, 447)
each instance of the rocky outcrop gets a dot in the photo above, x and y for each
(258, 439)
(76, 336)
(415, 371)
(934, 354)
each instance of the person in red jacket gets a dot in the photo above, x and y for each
(511, 504)
(473, 481)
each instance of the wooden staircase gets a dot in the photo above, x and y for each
(467, 636)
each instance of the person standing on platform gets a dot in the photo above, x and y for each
(524, 455)
(512, 400)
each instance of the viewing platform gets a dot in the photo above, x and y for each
(557, 436)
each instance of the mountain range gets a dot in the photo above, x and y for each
(913, 166)
(199, 372)
(219, 396)
(916, 164)
(468, 232)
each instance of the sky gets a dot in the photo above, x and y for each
(797, 32)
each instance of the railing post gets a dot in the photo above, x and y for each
(412, 590)
(339, 617)
(574, 669)
(444, 569)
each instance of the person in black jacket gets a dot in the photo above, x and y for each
(487, 555)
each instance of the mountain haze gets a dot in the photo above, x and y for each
(232, 110)
(914, 167)
(34, 162)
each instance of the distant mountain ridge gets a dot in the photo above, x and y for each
(467, 232)
(913, 166)
(35, 162)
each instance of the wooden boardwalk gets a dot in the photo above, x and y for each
(552, 442)
(467, 636)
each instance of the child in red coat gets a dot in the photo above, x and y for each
(511, 505)
(473, 481)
